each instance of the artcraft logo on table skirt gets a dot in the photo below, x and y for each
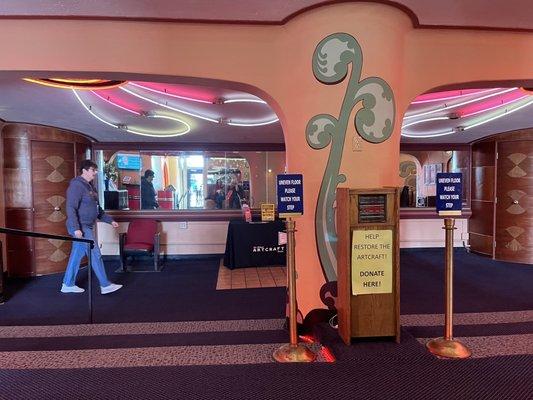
(268, 249)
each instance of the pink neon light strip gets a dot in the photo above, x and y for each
(491, 105)
(439, 96)
(116, 105)
(171, 94)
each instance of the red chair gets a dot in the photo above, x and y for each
(142, 238)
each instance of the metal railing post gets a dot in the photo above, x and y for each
(89, 279)
(19, 232)
(1, 273)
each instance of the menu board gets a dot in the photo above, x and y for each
(372, 208)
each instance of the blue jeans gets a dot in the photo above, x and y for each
(80, 249)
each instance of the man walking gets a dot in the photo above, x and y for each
(82, 212)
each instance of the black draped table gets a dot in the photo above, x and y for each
(254, 244)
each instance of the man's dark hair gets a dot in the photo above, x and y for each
(148, 173)
(87, 164)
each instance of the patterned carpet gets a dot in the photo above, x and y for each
(485, 334)
(172, 335)
(143, 344)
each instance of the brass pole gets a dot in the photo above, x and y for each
(449, 226)
(1, 274)
(291, 272)
(447, 347)
(292, 352)
(89, 279)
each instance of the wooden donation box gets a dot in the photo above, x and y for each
(368, 302)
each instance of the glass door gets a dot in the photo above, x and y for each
(195, 187)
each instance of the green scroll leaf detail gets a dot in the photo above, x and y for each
(373, 122)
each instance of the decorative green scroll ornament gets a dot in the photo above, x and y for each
(373, 122)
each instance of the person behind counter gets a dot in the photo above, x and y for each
(148, 195)
(235, 195)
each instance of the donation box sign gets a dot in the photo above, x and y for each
(372, 261)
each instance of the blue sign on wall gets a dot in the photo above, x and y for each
(129, 161)
(449, 193)
(290, 191)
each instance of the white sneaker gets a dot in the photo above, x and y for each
(110, 288)
(71, 289)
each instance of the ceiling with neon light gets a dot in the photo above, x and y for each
(140, 110)
(147, 106)
(462, 116)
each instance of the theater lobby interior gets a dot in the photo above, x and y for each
(214, 103)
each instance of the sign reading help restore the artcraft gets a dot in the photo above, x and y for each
(372, 261)
(449, 193)
(290, 191)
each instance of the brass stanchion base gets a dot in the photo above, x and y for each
(448, 348)
(289, 353)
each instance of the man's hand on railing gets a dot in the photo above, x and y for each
(78, 234)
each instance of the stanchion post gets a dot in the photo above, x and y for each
(1, 274)
(447, 346)
(89, 280)
(292, 352)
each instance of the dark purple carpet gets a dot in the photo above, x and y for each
(183, 291)
(368, 369)
(480, 283)
(506, 378)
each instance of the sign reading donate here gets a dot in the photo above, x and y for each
(372, 261)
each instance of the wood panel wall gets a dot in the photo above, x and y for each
(18, 187)
(491, 226)
(514, 208)
(481, 229)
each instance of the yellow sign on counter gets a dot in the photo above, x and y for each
(371, 261)
(268, 212)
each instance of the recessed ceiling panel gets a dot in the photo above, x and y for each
(142, 110)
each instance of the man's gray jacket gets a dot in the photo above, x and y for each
(83, 208)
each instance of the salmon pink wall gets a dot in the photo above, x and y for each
(275, 62)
